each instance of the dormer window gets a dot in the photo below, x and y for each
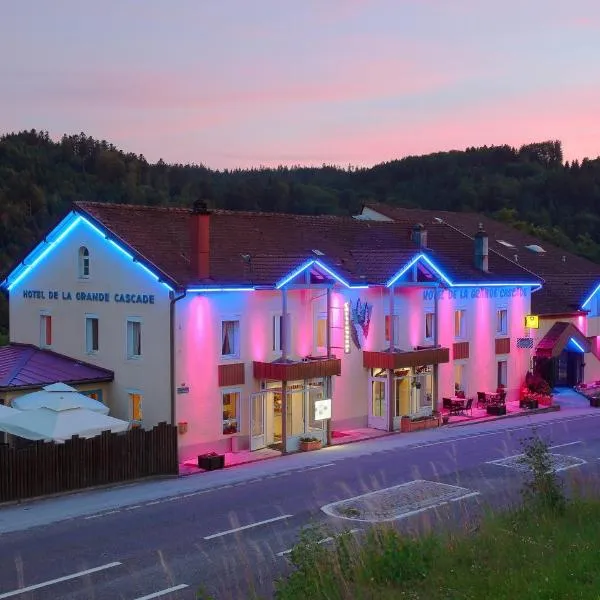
(84, 263)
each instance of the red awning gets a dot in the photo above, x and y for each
(559, 337)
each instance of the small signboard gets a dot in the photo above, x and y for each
(532, 321)
(183, 390)
(322, 409)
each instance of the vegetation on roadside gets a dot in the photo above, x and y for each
(548, 548)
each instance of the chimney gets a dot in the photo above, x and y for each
(419, 235)
(481, 249)
(200, 240)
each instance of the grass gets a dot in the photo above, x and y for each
(546, 550)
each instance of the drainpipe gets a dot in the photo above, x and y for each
(328, 379)
(391, 388)
(435, 390)
(172, 326)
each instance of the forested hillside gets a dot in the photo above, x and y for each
(531, 186)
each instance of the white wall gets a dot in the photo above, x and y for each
(110, 273)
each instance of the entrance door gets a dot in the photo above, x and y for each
(258, 438)
(378, 402)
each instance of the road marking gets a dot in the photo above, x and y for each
(320, 467)
(105, 514)
(153, 502)
(323, 541)
(163, 592)
(563, 445)
(257, 524)
(472, 495)
(134, 507)
(44, 584)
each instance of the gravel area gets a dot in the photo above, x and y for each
(560, 462)
(397, 502)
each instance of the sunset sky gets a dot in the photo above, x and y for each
(244, 83)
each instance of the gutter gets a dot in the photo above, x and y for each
(173, 300)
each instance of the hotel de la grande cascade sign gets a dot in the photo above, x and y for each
(69, 296)
(464, 293)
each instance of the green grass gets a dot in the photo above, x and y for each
(535, 555)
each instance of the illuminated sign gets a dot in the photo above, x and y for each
(322, 409)
(532, 321)
(130, 298)
(347, 326)
(464, 293)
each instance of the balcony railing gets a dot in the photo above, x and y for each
(402, 359)
(293, 370)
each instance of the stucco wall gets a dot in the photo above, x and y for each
(110, 273)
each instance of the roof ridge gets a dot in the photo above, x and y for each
(20, 363)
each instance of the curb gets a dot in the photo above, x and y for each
(535, 411)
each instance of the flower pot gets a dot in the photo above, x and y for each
(312, 445)
(211, 461)
(445, 419)
(182, 427)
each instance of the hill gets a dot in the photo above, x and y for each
(531, 187)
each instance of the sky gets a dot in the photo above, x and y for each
(242, 83)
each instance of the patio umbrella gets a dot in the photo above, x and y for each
(6, 411)
(58, 396)
(59, 425)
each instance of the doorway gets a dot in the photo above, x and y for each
(568, 368)
(378, 400)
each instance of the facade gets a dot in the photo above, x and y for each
(250, 329)
(565, 310)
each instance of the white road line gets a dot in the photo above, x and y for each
(44, 584)
(153, 502)
(563, 445)
(257, 524)
(465, 496)
(105, 514)
(134, 507)
(163, 592)
(320, 467)
(323, 541)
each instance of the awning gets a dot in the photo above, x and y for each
(562, 336)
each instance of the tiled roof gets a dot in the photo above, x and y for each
(568, 278)
(553, 343)
(24, 366)
(360, 251)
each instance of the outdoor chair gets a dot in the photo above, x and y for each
(447, 404)
(467, 407)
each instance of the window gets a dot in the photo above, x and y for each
(321, 332)
(396, 330)
(277, 326)
(460, 329)
(135, 408)
(91, 334)
(231, 405)
(502, 373)
(134, 338)
(84, 263)
(45, 331)
(502, 321)
(230, 338)
(459, 378)
(94, 394)
(429, 326)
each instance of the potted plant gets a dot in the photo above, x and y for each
(445, 419)
(182, 426)
(211, 461)
(310, 443)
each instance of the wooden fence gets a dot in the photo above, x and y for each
(47, 468)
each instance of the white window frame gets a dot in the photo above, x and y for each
(89, 346)
(238, 407)
(130, 393)
(320, 315)
(500, 360)
(276, 322)
(429, 338)
(129, 338)
(463, 364)
(501, 332)
(463, 333)
(237, 339)
(82, 262)
(46, 314)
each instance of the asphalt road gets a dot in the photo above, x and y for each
(231, 539)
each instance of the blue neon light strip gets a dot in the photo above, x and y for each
(577, 345)
(50, 244)
(447, 279)
(588, 299)
(323, 267)
(202, 290)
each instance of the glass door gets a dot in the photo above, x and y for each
(257, 411)
(378, 402)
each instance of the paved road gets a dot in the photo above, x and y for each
(228, 532)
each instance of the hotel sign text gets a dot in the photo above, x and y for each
(475, 292)
(126, 298)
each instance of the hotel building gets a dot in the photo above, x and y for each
(252, 329)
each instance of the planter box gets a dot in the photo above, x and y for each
(308, 446)
(595, 402)
(530, 404)
(211, 462)
(496, 409)
(407, 425)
